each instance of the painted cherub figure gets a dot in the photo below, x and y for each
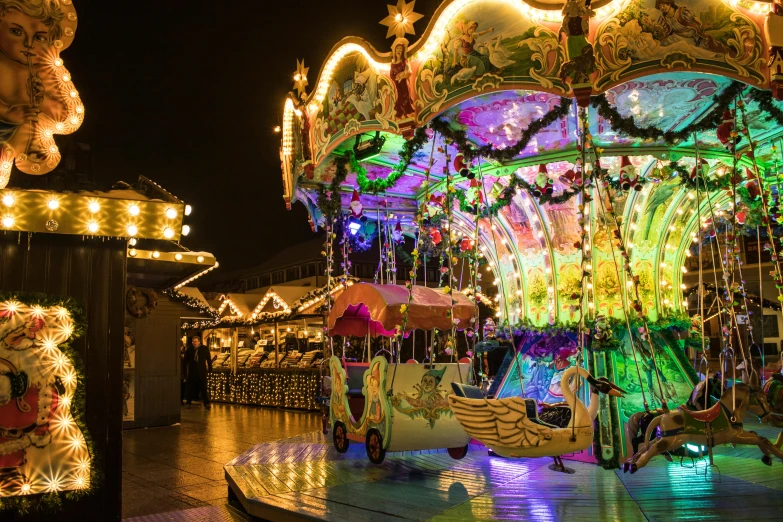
(375, 411)
(28, 32)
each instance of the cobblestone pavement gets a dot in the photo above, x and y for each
(181, 467)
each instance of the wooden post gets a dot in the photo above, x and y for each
(234, 349)
(277, 342)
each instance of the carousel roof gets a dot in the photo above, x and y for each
(491, 76)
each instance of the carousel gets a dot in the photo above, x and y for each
(598, 178)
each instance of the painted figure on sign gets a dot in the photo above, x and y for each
(375, 411)
(28, 399)
(681, 23)
(428, 401)
(400, 72)
(29, 30)
(364, 95)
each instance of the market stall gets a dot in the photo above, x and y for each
(268, 347)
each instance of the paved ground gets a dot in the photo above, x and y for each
(181, 467)
(304, 478)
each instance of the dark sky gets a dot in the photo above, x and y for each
(187, 92)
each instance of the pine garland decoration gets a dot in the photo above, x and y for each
(627, 124)
(374, 186)
(459, 137)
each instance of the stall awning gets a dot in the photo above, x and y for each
(376, 309)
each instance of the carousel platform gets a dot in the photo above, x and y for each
(304, 478)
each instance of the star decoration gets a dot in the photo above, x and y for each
(300, 77)
(401, 19)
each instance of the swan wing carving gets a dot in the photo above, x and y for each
(499, 422)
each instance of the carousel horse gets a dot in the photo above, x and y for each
(773, 392)
(705, 393)
(721, 424)
(512, 427)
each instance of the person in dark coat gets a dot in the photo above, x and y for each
(198, 360)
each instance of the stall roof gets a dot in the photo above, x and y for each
(240, 304)
(195, 293)
(377, 309)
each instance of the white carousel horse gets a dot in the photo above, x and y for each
(721, 424)
(511, 427)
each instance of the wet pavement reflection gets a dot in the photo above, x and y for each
(181, 467)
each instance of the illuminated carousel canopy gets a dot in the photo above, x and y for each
(492, 108)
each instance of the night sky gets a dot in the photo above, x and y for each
(187, 93)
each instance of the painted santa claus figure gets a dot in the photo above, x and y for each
(773, 32)
(28, 397)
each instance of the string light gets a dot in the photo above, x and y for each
(134, 210)
(185, 230)
(92, 226)
(168, 233)
(171, 213)
(94, 207)
(53, 204)
(9, 200)
(133, 230)
(188, 210)
(8, 222)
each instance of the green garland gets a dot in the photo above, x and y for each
(331, 204)
(192, 302)
(766, 104)
(51, 503)
(507, 195)
(627, 125)
(459, 137)
(374, 186)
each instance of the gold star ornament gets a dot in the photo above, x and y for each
(401, 19)
(300, 77)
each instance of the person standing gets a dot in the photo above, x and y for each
(198, 361)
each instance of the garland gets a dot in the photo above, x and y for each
(678, 322)
(460, 140)
(191, 302)
(766, 104)
(408, 151)
(627, 124)
(331, 204)
(507, 195)
(50, 503)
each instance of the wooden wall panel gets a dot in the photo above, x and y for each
(94, 272)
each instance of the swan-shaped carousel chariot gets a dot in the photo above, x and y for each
(513, 427)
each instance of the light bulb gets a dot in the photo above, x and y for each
(200, 259)
(277, 129)
(9, 200)
(132, 230)
(8, 222)
(133, 242)
(134, 210)
(132, 252)
(92, 226)
(94, 207)
(188, 210)
(156, 254)
(168, 233)
(178, 257)
(53, 204)
(171, 213)
(185, 230)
